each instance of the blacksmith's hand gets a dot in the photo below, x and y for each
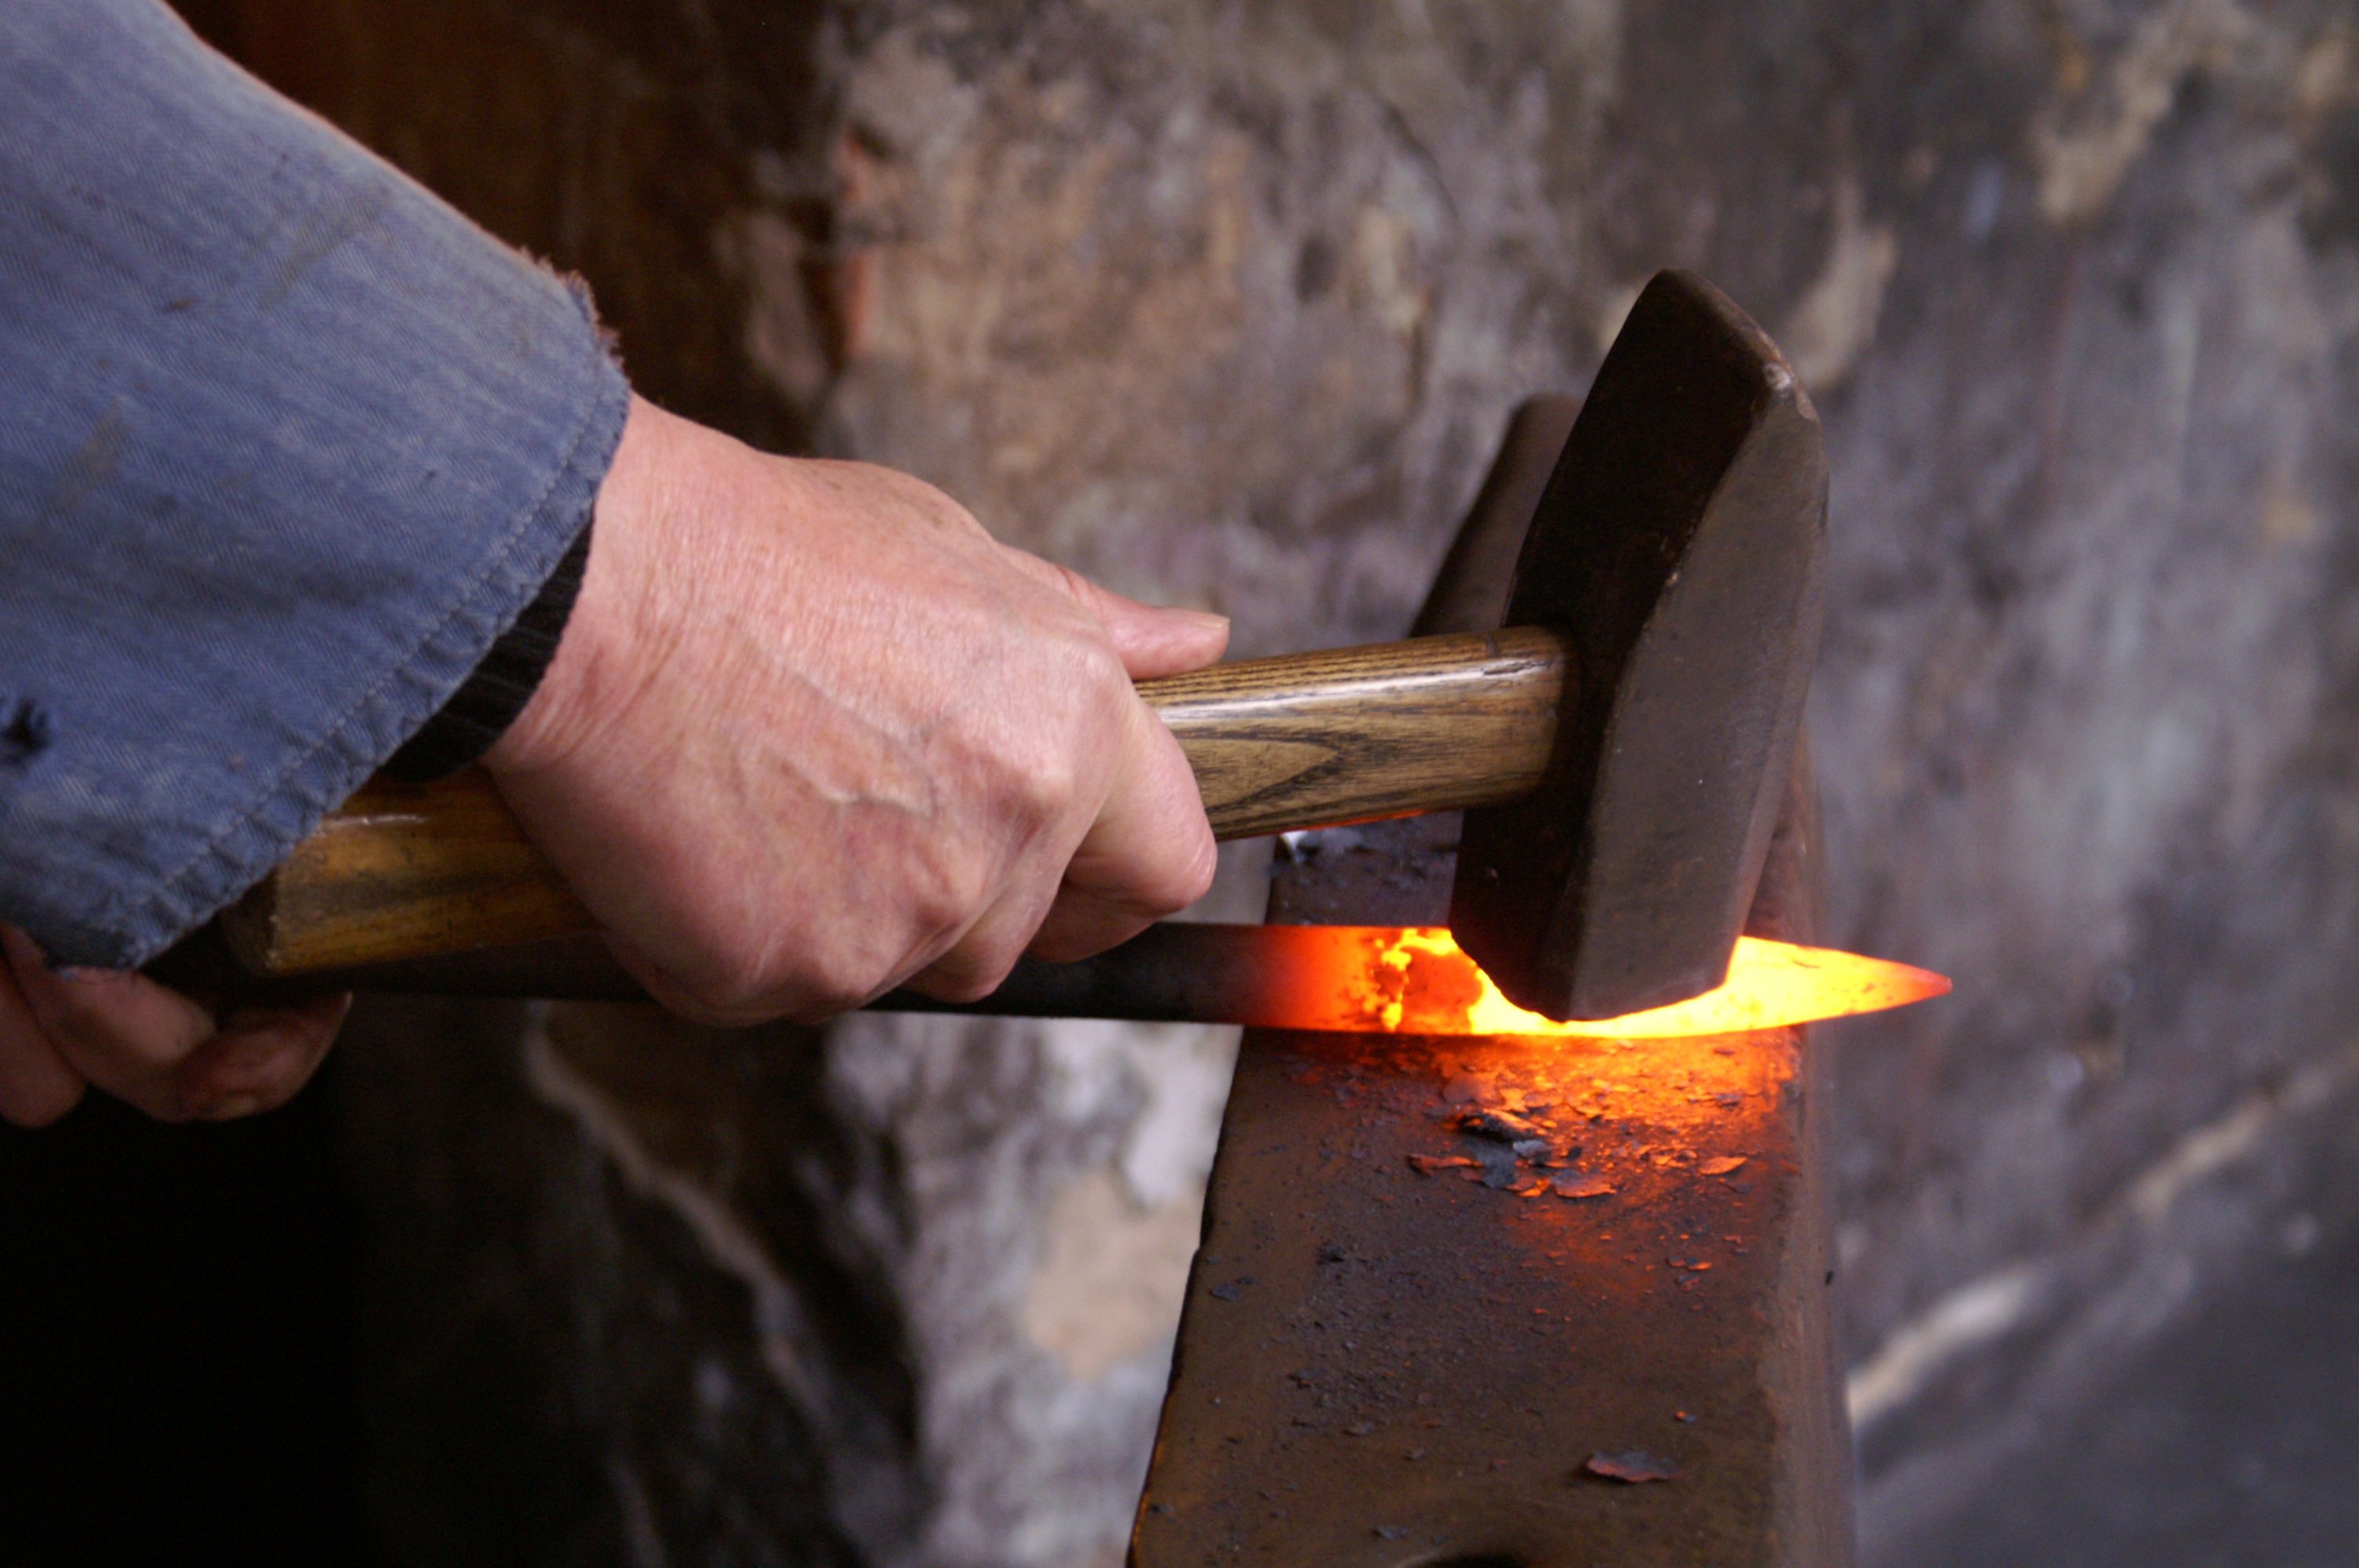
(64, 1030)
(811, 734)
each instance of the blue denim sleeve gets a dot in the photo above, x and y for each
(285, 445)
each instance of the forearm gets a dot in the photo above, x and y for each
(287, 445)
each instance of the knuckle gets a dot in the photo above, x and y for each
(729, 983)
(731, 1002)
(965, 987)
(834, 977)
(1094, 725)
(1075, 585)
(951, 885)
(1192, 873)
(813, 1004)
(973, 975)
(1076, 649)
(1047, 784)
(1109, 679)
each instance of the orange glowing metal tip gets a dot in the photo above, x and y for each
(1415, 980)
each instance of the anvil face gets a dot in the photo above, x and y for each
(1444, 1279)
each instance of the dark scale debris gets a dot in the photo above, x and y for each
(1498, 1126)
(1466, 1088)
(1631, 1465)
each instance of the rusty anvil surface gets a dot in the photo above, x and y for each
(1381, 1365)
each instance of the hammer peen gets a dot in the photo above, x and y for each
(1620, 746)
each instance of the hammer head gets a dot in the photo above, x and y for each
(1679, 545)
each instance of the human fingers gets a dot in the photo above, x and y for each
(163, 1052)
(37, 1086)
(975, 963)
(810, 731)
(1152, 640)
(259, 1058)
(721, 1006)
(1144, 853)
(119, 1030)
(1149, 853)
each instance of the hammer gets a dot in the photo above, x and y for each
(1620, 746)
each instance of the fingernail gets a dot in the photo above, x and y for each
(228, 1108)
(1204, 618)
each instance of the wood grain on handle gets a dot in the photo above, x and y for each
(1304, 741)
(1312, 740)
(403, 871)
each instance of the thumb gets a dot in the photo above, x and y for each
(1156, 642)
(1151, 641)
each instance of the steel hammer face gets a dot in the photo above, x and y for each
(1679, 545)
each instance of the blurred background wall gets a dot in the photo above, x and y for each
(1225, 304)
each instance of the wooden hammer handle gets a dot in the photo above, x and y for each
(1307, 740)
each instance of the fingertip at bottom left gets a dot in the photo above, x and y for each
(37, 1086)
(260, 1060)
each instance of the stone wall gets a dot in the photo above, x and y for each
(1225, 304)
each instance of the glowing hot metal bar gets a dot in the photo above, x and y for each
(1414, 980)
(1360, 979)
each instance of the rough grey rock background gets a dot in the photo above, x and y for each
(1224, 304)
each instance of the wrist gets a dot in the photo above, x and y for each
(584, 673)
(488, 703)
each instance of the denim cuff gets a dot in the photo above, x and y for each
(289, 446)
